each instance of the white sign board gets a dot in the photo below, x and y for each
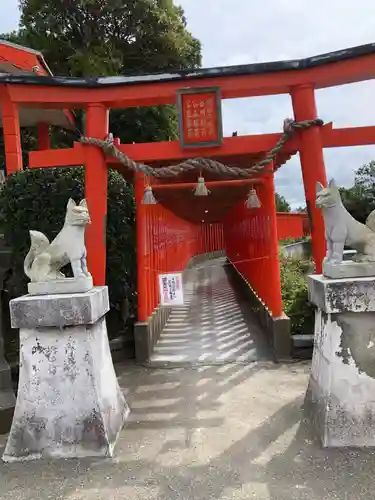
(171, 291)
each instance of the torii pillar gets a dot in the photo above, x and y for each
(312, 163)
(96, 180)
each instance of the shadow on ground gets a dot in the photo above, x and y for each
(215, 432)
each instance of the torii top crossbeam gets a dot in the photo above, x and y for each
(299, 78)
(327, 70)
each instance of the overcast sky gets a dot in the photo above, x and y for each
(245, 31)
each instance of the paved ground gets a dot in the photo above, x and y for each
(230, 432)
(214, 326)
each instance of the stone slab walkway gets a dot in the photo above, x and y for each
(230, 432)
(214, 326)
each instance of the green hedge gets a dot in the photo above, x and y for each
(36, 199)
(295, 295)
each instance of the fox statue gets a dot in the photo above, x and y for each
(44, 259)
(342, 229)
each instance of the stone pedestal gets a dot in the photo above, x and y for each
(62, 286)
(69, 403)
(348, 269)
(340, 400)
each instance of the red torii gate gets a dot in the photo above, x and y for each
(98, 95)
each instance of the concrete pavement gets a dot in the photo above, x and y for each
(230, 432)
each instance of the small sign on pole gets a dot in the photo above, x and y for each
(200, 119)
(171, 291)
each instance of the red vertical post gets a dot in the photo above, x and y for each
(44, 141)
(146, 272)
(312, 163)
(163, 243)
(151, 223)
(12, 132)
(140, 220)
(96, 180)
(158, 258)
(273, 268)
(156, 254)
(149, 260)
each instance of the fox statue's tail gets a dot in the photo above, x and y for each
(39, 243)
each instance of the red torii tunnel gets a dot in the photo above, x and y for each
(171, 233)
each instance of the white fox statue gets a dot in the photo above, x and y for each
(342, 229)
(44, 259)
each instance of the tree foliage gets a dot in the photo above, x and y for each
(104, 37)
(359, 199)
(87, 38)
(295, 295)
(36, 199)
(281, 203)
(301, 210)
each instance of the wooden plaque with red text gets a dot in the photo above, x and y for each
(200, 119)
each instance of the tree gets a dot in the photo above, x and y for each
(359, 199)
(86, 38)
(301, 210)
(96, 37)
(25, 196)
(281, 204)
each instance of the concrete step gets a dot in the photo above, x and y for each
(303, 346)
(301, 341)
(7, 405)
(5, 376)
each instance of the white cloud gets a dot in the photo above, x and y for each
(243, 31)
(240, 32)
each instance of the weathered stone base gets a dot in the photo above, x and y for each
(69, 403)
(340, 400)
(335, 425)
(67, 285)
(342, 295)
(348, 269)
(59, 310)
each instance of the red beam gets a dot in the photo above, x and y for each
(151, 152)
(209, 184)
(232, 146)
(246, 145)
(164, 92)
(57, 157)
(356, 136)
